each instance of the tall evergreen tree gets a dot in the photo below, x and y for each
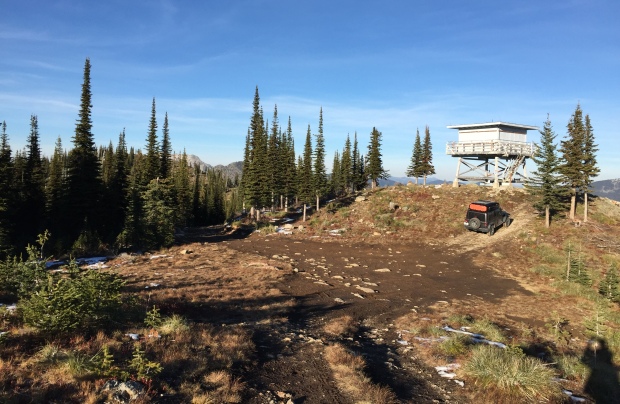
(166, 150)
(544, 183)
(54, 190)
(31, 210)
(589, 169)
(152, 167)
(415, 167)
(306, 193)
(276, 165)
(182, 192)
(290, 170)
(320, 173)
(6, 191)
(374, 163)
(345, 166)
(256, 179)
(336, 177)
(572, 157)
(427, 155)
(118, 189)
(358, 169)
(84, 187)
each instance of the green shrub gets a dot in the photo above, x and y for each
(85, 300)
(173, 325)
(511, 374)
(141, 366)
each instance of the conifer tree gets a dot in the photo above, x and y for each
(84, 187)
(336, 177)
(54, 189)
(415, 168)
(320, 174)
(290, 170)
(610, 284)
(276, 165)
(256, 179)
(6, 191)
(182, 192)
(30, 211)
(589, 168)
(358, 173)
(345, 166)
(544, 183)
(119, 186)
(306, 174)
(166, 150)
(375, 169)
(152, 161)
(572, 157)
(427, 155)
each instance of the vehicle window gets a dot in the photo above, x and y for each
(471, 214)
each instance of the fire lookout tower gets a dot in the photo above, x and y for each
(491, 152)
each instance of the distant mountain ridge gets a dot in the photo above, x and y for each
(607, 188)
(229, 170)
(404, 180)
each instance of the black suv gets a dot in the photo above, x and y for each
(485, 217)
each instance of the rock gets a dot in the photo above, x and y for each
(185, 252)
(338, 300)
(365, 290)
(289, 226)
(435, 197)
(383, 270)
(393, 206)
(360, 198)
(337, 277)
(125, 391)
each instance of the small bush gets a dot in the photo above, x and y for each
(174, 324)
(85, 300)
(511, 374)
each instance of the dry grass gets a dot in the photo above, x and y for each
(341, 326)
(348, 370)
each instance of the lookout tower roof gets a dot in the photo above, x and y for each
(493, 131)
(490, 125)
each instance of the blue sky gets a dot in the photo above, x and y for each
(394, 65)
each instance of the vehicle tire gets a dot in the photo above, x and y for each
(508, 221)
(474, 223)
(491, 230)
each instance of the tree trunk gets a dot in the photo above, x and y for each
(304, 212)
(585, 207)
(573, 203)
(424, 180)
(547, 218)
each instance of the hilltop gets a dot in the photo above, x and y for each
(358, 303)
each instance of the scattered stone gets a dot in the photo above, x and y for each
(383, 270)
(133, 336)
(126, 391)
(184, 252)
(365, 290)
(358, 295)
(360, 198)
(420, 265)
(337, 277)
(435, 197)
(393, 206)
(338, 300)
